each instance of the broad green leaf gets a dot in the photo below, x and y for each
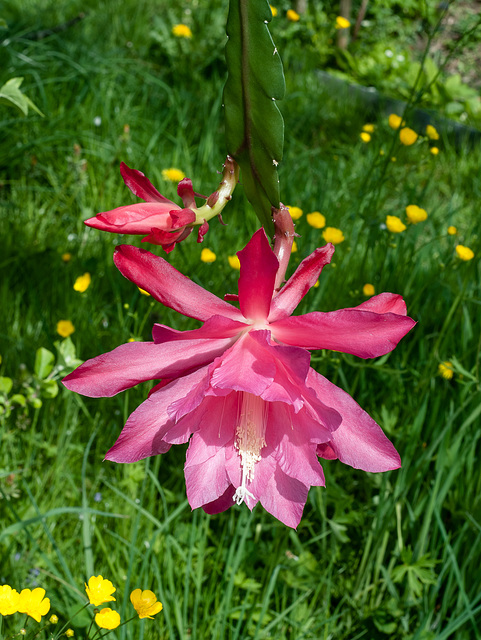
(253, 123)
(5, 385)
(49, 389)
(18, 398)
(11, 94)
(44, 360)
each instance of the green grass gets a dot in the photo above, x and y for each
(376, 555)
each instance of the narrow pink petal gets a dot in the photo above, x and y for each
(169, 286)
(257, 277)
(135, 362)
(284, 498)
(134, 219)
(206, 482)
(362, 333)
(181, 217)
(221, 504)
(186, 193)
(216, 429)
(143, 433)
(141, 186)
(166, 239)
(305, 277)
(204, 227)
(359, 441)
(385, 303)
(215, 327)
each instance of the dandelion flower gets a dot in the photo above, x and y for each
(316, 220)
(431, 132)
(293, 16)
(295, 212)
(99, 591)
(172, 174)
(434, 151)
(206, 255)
(342, 23)
(9, 599)
(181, 31)
(145, 603)
(234, 262)
(65, 328)
(82, 283)
(415, 214)
(464, 253)
(407, 136)
(33, 603)
(446, 370)
(368, 290)
(107, 619)
(368, 128)
(273, 11)
(365, 137)
(452, 231)
(66, 257)
(395, 121)
(331, 234)
(394, 224)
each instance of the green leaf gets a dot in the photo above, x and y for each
(5, 385)
(254, 127)
(44, 360)
(18, 398)
(10, 94)
(49, 389)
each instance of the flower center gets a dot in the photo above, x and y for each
(250, 438)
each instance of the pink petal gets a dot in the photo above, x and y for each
(215, 327)
(359, 441)
(141, 186)
(169, 286)
(216, 429)
(362, 333)
(257, 277)
(166, 239)
(186, 193)
(135, 362)
(305, 277)
(221, 504)
(204, 227)
(135, 219)
(284, 498)
(385, 303)
(206, 482)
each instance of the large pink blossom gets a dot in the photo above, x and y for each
(240, 389)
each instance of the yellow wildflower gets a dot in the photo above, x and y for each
(368, 290)
(407, 136)
(331, 234)
(365, 137)
(293, 16)
(273, 10)
(107, 619)
(174, 175)
(82, 283)
(9, 599)
(394, 224)
(316, 284)
(393, 159)
(464, 253)
(181, 31)
(145, 603)
(368, 128)
(395, 121)
(70, 633)
(65, 328)
(342, 23)
(446, 370)
(452, 230)
(316, 220)
(33, 603)
(206, 255)
(53, 619)
(143, 292)
(99, 591)
(431, 132)
(295, 212)
(66, 257)
(434, 151)
(234, 262)
(415, 214)
(294, 247)
(381, 152)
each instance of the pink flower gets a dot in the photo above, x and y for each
(164, 222)
(240, 387)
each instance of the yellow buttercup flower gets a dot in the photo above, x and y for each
(395, 121)
(99, 591)
(9, 599)
(70, 633)
(145, 603)
(452, 230)
(316, 220)
(368, 128)
(273, 11)
(365, 137)
(292, 15)
(431, 132)
(82, 283)
(66, 257)
(368, 290)
(206, 255)
(143, 292)
(316, 284)
(295, 212)
(407, 136)
(65, 328)
(53, 619)
(107, 619)
(294, 247)
(446, 370)
(172, 174)
(342, 23)
(415, 214)
(434, 151)
(464, 253)
(394, 224)
(181, 31)
(234, 262)
(331, 234)
(34, 603)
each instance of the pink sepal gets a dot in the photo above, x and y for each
(141, 186)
